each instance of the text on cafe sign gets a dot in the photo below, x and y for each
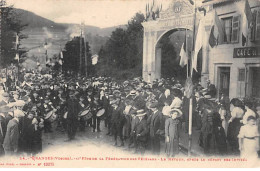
(247, 52)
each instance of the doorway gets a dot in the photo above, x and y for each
(224, 80)
(253, 82)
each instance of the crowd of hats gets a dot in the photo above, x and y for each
(114, 89)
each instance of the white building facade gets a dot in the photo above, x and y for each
(233, 66)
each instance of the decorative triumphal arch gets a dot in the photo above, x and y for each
(179, 15)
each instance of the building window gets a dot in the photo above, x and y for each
(241, 74)
(257, 36)
(231, 29)
(255, 26)
(227, 23)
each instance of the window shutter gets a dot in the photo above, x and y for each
(253, 28)
(235, 29)
(257, 33)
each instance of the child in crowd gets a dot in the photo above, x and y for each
(249, 139)
(171, 133)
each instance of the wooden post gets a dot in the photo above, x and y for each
(191, 73)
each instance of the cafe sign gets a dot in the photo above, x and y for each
(247, 52)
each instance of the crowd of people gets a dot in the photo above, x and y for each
(138, 115)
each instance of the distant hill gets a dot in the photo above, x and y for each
(41, 30)
(37, 22)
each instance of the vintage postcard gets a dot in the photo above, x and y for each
(129, 83)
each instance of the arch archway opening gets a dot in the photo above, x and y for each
(167, 51)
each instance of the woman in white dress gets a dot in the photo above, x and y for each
(249, 139)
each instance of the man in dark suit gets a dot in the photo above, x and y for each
(95, 107)
(155, 125)
(141, 132)
(12, 134)
(109, 115)
(72, 116)
(117, 121)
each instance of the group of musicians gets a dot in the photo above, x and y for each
(72, 105)
(133, 111)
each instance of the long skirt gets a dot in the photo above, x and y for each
(172, 147)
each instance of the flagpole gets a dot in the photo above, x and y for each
(191, 73)
(187, 52)
(80, 51)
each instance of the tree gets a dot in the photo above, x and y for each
(71, 57)
(10, 27)
(123, 51)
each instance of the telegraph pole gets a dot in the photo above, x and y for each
(1, 6)
(85, 53)
(191, 87)
(80, 50)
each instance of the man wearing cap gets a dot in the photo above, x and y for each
(134, 121)
(12, 134)
(128, 111)
(106, 105)
(26, 133)
(117, 121)
(83, 105)
(109, 115)
(96, 120)
(4, 99)
(154, 122)
(72, 116)
(141, 132)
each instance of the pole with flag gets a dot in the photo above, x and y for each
(189, 86)
(61, 58)
(183, 53)
(216, 32)
(198, 44)
(247, 22)
(17, 56)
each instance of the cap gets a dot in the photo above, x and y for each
(153, 104)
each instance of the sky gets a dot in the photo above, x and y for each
(101, 13)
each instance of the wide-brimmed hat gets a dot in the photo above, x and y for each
(5, 94)
(178, 111)
(18, 113)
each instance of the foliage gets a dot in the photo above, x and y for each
(10, 26)
(123, 51)
(71, 57)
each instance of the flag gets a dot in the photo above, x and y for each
(17, 57)
(248, 12)
(17, 41)
(216, 32)
(60, 62)
(198, 43)
(183, 54)
(247, 21)
(61, 55)
(94, 59)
